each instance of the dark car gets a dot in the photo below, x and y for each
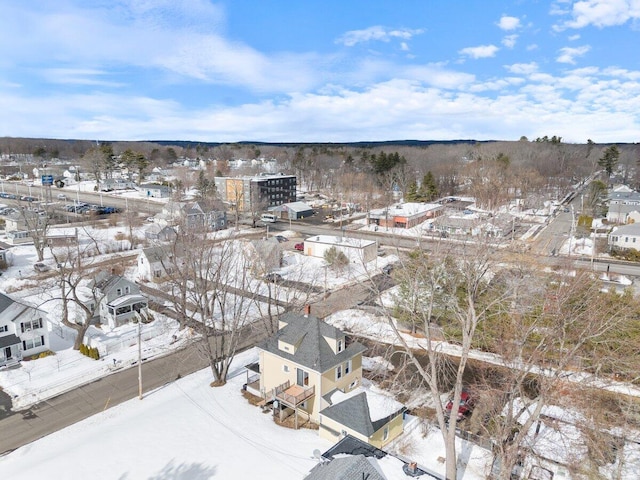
(281, 238)
(299, 247)
(464, 409)
(273, 278)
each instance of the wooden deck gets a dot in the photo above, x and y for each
(295, 395)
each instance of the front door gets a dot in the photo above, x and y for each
(302, 378)
(7, 353)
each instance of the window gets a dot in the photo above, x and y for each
(119, 292)
(36, 342)
(30, 325)
(285, 368)
(127, 290)
(338, 372)
(626, 239)
(340, 345)
(385, 433)
(347, 368)
(4, 328)
(157, 273)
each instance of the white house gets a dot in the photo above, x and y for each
(154, 190)
(625, 237)
(156, 263)
(623, 213)
(118, 299)
(23, 330)
(357, 250)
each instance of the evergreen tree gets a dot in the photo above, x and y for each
(428, 189)
(412, 192)
(609, 159)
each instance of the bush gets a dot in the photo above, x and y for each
(46, 353)
(83, 349)
(336, 258)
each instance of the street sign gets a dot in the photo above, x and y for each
(47, 179)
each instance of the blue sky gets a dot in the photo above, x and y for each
(320, 71)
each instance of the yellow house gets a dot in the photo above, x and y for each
(308, 368)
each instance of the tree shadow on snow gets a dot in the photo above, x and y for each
(185, 471)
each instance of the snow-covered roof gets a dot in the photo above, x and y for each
(631, 229)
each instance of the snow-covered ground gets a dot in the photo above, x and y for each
(188, 429)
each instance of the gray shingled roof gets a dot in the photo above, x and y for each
(346, 468)
(354, 413)
(8, 340)
(313, 351)
(5, 302)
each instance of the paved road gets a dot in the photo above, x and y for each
(20, 428)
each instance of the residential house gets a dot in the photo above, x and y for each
(25, 220)
(625, 237)
(308, 368)
(264, 255)
(23, 330)
(160, 233)
(405, 215)
(623, 198)
(623, 213)
(194, 215)
(356, 250)
(4, 261)
(156, 263)
(118, 299)
(197, 215)
(352, 458)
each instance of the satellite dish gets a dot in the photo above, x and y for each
(317, 454)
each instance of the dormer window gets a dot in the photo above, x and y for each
(340, 345)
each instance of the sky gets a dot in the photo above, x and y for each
(320, 71)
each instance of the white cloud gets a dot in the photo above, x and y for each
(508, 23)
(404, 47)
(510, 41)
(481, 51)
(569, 54)
(532, 47)
(522, 68)
(376, 33)
(573, 38)
(601, 13)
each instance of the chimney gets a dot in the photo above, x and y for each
(307, 310)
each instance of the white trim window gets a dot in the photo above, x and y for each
(340, 345)
(348, 367)
(338, 372)
(29, 344)
(285, 368)
(385, 433)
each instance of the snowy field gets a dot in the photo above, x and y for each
(185, 430)
(189, 430)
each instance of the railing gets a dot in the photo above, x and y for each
(274, 392)
(297, 399)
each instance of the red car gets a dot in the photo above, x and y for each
(299, 247)
(464, 409)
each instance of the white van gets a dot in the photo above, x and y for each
(268, 218)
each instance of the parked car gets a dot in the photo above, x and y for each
(40, 267)
(299, 246)
(464, 409)
(62, 196)
(273, 278)
(281, 238)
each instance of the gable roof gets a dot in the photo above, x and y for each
(308, 333)
(630, 229)
(5, 302)
(364, 412)
(346, 468)
(106, 281)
